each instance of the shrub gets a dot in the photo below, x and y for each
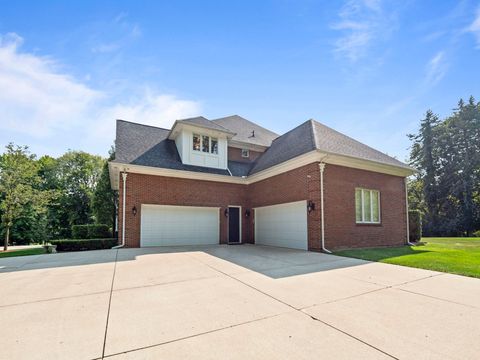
(98, 231)
(476, 233)
(415, 224)
(84, 244)
(91, 231)
(80, 231)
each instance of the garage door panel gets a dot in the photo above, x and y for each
(283, 225)
(164, 225)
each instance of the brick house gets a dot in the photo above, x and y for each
(232, 181)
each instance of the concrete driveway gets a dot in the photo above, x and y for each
(231, 302)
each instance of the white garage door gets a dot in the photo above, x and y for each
(282, 225)
(164, 225)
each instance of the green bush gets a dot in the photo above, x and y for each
(476, 233)
(91, 231)
(415, 223)
(84, 244)
(98, 231)
(80, 231)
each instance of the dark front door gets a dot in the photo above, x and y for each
(233, 225)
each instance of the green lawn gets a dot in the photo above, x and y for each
(23, 252)
(453, 255)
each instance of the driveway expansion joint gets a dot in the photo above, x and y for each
(109, 304)
(302, 312)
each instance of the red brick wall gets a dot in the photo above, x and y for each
(295, 185)
(299, 184)
(160, 190)
(341, 230)
(235, 154)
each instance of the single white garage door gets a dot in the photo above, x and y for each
(282, 225)
(164, 225)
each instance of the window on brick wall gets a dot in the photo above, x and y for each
(367, 206)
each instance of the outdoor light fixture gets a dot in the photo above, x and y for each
(310, 206)
(226, 212)
(247, 213)
(134, 210)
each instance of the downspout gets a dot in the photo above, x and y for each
(322, 210)
(124, 196)
(406, 214)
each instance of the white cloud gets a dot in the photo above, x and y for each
(35, 97)
(151, 109)
(42, 103)
(436, 69)
(474, 28)
(361, 22)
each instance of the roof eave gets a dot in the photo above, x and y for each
(179, 123)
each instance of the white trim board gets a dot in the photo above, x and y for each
(299, 161)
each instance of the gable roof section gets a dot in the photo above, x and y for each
(312, 135)
(145, 145)
(204, 123)
(296, 142)
(334, 142)
(243, 129)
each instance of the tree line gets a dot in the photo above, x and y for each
(446, 188)
(41, 198)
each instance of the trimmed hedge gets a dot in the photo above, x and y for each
(415, 224)
(91, 231)
(84, 244)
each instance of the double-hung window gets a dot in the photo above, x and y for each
(367, 206)
(205, 144)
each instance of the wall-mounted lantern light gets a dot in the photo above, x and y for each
(247, 213)
(134, 210)
(310, 206)
(226, 212)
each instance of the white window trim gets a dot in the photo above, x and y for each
(248, 153)
(363, 221)
(209, 144)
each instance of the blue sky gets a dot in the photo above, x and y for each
(369, 69)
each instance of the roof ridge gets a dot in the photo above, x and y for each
(314, 133)
(146, 125)
(290, 131)
(251, 122)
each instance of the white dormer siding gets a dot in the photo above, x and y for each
(189, 156)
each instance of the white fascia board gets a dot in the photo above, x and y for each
(178, 127)
(368, 165)
(114, 173)
(149, 170)
(299, 161)
(244, 145)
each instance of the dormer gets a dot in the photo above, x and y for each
(201, 142)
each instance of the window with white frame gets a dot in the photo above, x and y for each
(245, 153)
(205, 143)
(367, 206)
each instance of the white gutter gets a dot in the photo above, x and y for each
(406, 212)
(322, 210)
(124, 176)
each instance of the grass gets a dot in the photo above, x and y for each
(452, 255)
(23, 252)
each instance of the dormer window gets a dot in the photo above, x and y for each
(245, 153)
(205, 144)
(214, 147)
(196, 142)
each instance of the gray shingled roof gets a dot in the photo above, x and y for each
(204, 123)
(149, 146)
(311, 135)
(145, 145)
(334, 142)
(243, 129)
